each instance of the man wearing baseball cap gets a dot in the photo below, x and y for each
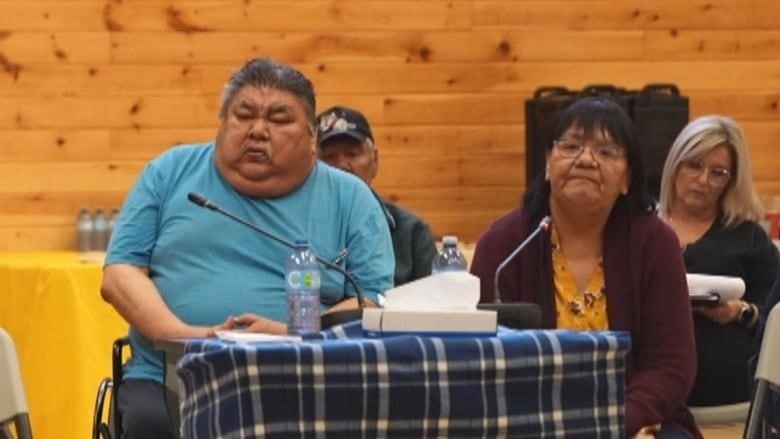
(345, 141)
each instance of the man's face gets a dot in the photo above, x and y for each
(266, 146)
(351, 155)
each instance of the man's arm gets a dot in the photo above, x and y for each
(131, 292)
(351, 303)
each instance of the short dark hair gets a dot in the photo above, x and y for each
(591, 114)
(260, 72)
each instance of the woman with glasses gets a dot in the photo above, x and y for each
(708, 199)
(608, 263)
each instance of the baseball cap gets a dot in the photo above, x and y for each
(342, 121)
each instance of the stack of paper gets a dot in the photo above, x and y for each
(709, 289)
(240, 336)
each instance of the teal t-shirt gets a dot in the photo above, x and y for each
(208, 267)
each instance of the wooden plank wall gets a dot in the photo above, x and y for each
(92, 89)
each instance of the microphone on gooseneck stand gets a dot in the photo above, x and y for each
(544, 225)
(328, 319)
(516, 315)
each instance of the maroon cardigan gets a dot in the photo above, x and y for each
(647, 296)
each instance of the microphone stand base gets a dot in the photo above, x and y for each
(333, 318)
(517, 315)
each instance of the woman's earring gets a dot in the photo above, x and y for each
(547, 173)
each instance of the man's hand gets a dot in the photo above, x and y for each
(254, 323)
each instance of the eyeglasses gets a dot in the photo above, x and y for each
(602, 153)
(716, 176)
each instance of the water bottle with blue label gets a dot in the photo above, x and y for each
(302, 283)
(449, 258)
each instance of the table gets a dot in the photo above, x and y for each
(518, 384)
(50, 304)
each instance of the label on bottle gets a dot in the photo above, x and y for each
(303, 301)
(303, 279)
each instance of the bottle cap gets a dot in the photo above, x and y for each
(450, 239)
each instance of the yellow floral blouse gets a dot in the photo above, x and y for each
(586, 310)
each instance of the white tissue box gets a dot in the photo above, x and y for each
(378, 322)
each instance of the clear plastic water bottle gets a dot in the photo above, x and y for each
(449, 258)
(302, 282)
(99, 231)
(84, 231)
(112, 219)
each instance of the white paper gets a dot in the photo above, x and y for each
(456, 290)
(725, 287)
(256, 337)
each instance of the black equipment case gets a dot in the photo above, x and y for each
(659, 113)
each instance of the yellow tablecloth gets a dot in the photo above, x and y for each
(50, 304)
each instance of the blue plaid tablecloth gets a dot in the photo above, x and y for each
(530, 384)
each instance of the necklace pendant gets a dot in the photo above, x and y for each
(575, 307)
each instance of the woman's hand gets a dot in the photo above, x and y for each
(647, 432)
(724, 313)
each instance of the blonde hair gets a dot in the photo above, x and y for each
(739, 201)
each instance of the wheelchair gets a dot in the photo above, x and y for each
(107, 421)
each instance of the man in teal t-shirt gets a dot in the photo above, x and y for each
(174, 270)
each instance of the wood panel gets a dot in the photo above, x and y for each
(91, 112)
(21, 205)
(46, 145)
(450, 171)
(23, 238)
(200, 111)
(724, 45)
(435, 200)
(208, 16)
(93, 89)
(607, 14)
(55, 177)
(55, 47)
(418, 78)
(31, 238)
(474, 45)
(467, 227)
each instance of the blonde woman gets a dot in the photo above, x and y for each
(708, 199)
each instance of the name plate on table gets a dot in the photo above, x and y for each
(379, 322)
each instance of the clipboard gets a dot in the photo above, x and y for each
(711, 290)
(711, 299)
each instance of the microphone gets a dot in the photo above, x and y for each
(544, 225)
(328, 319)
(516, 315)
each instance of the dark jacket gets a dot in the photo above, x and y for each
(647, 296)
(743, 251)
(413, 243)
